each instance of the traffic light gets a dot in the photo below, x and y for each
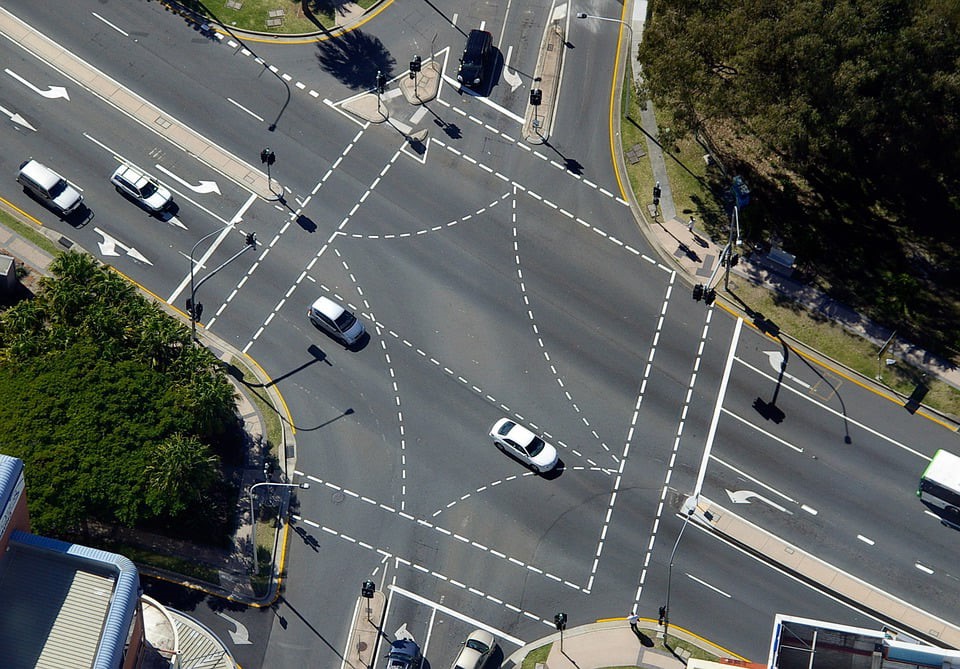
(268, 157)
(656, 193)
(560, 620)
(251, 239)
(197, 311)
(662, 615)
(536, 97)
(415, 66)
(381, 82)
(709, 296)
(698, 292)
(368, 588)
(190, 308)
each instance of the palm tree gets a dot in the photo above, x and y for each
(179, 473)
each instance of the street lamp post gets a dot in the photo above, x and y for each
(741, 198)
(253, 518)
(665, 611)
(584, 15)
(194, 309)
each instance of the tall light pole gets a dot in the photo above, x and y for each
(741, 198)
(673, 553)
(253, 518)
(194, 309)
(629, 69)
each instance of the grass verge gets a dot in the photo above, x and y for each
(298, 18)
(30, 233)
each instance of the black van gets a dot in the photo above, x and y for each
(475, 59)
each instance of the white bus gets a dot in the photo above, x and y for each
(940, 486)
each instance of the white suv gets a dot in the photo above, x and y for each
(49, 187)
(337, 321)
(141, 188)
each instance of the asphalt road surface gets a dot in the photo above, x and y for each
(494, 278)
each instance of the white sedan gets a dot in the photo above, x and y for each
(524, 445)
(477, 649)
(141, 188)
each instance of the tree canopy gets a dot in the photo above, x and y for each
(113, 409)
(844, 116)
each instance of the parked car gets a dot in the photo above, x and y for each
(521, 443)
(475, 59)
(335, 320)
(477, 649)
(141, 188)
(404, 654)
(51, 189)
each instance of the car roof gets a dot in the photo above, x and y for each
(133, 175)
(328, 308)
(520, 434)
(404, 648)
(40, 173)
(476, 38)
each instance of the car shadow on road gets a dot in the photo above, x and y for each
(554, 473)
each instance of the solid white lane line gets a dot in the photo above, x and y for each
(716, 412)
(765, 433)
(707, 585)
(459, 616)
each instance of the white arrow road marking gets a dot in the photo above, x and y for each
(744, 497)
(50, 93)
(16, 118)
(403, 633)
(173, 220)
(204, 187)
(776, 361)
(511, 78)
(240, 636)
(108, 247)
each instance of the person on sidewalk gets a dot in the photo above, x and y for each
(632, 619)
(690, 224)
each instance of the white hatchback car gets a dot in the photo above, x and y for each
(524, 445)
(141, 188)
(337, 321)
(477, 649)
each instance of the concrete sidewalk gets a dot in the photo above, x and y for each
(613, 643)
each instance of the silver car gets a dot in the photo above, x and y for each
(337, 321)
(141, 188)
(524, 445)
(477, 649)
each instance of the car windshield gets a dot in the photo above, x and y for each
(477, 645)
(505, 428)
(148, 189)
(345, 321)
(58, 188)
(535, 446)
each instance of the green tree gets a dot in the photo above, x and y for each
(179, 472)
(110, 405)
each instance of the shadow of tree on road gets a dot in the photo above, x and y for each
(355, 58)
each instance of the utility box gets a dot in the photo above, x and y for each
(8, 274)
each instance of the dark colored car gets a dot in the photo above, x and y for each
(476, 57)
(404, 654)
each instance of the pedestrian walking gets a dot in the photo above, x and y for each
(690, 224)
(632, 619)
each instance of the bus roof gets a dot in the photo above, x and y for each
(944, 469)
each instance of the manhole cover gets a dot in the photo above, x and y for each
(338, 497)
(361, 646)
